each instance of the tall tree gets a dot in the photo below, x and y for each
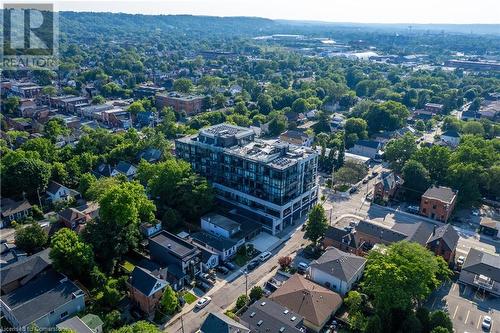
(31, 238)
(316, 224)
(169, 301)
(416, 178)
(398, 151)
(70, 255)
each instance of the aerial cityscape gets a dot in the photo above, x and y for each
(199, 167)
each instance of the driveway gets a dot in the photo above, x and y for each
(466, 306)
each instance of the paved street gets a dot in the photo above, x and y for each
(227, 291)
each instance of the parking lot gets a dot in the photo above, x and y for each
(467, 307)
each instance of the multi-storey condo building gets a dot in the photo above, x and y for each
(270, 181)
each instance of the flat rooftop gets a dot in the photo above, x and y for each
(175, 244)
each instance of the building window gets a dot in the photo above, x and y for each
(64, 314)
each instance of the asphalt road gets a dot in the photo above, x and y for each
(225, 292)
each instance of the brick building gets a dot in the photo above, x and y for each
(190, 104)
(438, 203)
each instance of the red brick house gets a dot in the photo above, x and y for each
(438, 203)
(189, 104)
(385, 188)
(146, 289)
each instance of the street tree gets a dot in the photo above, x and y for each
(316, 224)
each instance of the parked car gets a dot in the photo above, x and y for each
(202, 302)
(302, 267)
(264, 256)
(230, 265)
(413, 209)
(460, 261)
(374, 173)
(365, 180)
(475, 212)
(223, 270)
(353, 190)
(486, 325)
(252, 265)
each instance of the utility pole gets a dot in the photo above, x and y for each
(182, 325)
(246, 284)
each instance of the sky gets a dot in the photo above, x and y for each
(360, 11)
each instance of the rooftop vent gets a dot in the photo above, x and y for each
(263, 303)
(260, 322)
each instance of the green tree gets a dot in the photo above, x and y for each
(277, 125)
(357, 126)
(70, 255)
(55, 128)
(169, 301)
(122, 207)
(31, 238)
(423, 316)
(242, 301)
(10, 104)
(402, 275)
(110, 294)
(183, 85)
(416, 178)
(398, 151)
(26, 175)
(439, 318)
(316, 224)
(373, 324)
(436, 160)
(387, 116)
(256, 293)
(411, 324)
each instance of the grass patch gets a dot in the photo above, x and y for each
(129, 267)
(241, 259)
(189, 297)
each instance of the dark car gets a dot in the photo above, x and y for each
(230, 265)
(353, 190)
(223, 270)
(252, 265)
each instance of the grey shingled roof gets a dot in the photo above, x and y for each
(447, 233)
(442, 193)
(145, 282)
(219, 323)
(483, 263)
(383, 233)
(30, 266)
(40, 296)
(217, 242)
(340, 264)
(75, 324)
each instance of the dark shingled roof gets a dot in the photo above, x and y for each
(146, 282)
(216, 242)
(265, 316)
(483, 263)
(447, 233)
(30, 266)
(340, 264)
(368, 143)
(442, 193)
(219, 323)
(383, 233)
(54, 187)
(37, 298)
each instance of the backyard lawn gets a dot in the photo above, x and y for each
(241, 259)
(129, 267)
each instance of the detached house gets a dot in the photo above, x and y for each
(13, 210)
(57, 192)
(438, 203)
(337, 270)
(385, 188)
(367, 148)
(146, 289)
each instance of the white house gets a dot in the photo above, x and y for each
(337, 270)
(57, 192)
(451, 138)
(367, 148)
(219, 225)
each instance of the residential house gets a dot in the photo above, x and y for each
(13, 210)
(470, 115)
(117, 118)
(220, 323)
(451, 138)
(149, 229)
(44, 300)
(89, 323)
(359, 239)
(434, 107)
(314, 303)
(367, 148)
(266, 315)
(386, 187)
(209, 258)
(19, 273)
(443, 242)
(438, 203)
(146, 289)
(126, 169)
(182, 258)
(57, 192)
(297, 138)
(25, 89)
(224, 247)
(76, 218)
(150, 155)
(482, 271)
(9, 254)
(105, 170)
(337, 270)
